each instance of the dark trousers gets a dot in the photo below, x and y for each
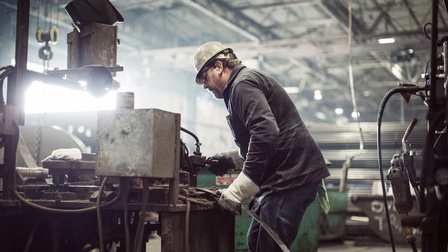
(283, 213)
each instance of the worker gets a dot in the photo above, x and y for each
(282, 164)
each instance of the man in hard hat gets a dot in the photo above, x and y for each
(283, 166)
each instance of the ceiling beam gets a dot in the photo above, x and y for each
(339, 11)
(233, 18)
(209, 13)
(302, 48)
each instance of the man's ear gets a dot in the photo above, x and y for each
(219, 65)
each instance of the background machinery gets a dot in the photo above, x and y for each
(141, 180)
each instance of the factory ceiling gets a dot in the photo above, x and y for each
(331, 46)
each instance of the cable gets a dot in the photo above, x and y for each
(99, 216)
(187, 160)
(350, 71)
(141, 223)
(190, 133)
(380, 158)
(424, 30)
(198, 144)
(5, 67)
(57, 210)
(187, 226)
(67, 211)
(31, 238)
(125, 185)
(6, 71)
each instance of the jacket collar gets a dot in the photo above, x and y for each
(233, 74)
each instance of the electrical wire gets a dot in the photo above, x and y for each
(57, 210)
(424, 30)
(31, 237)
(66, 211)
(383, 103)
(5, 67)
(7, 70)
(141, 223)
(187, 160)
(350, 71)
(99, 216)
(188, 201)
(125, 185)
(187, 226)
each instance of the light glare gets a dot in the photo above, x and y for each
(355, 114)
(386, 41)
(317, 95)
(292, 90)
(40, 98)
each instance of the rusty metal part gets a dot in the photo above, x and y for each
(38, 173)
(149, 136)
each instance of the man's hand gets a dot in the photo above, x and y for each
(229, 205)
(241, 189)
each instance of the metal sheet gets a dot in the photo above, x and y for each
(96, 44)
(138, 143)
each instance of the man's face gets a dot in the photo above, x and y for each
(213, 81)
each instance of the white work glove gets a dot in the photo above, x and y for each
(241, 189)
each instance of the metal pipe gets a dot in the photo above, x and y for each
(16, 90)
(16, 95)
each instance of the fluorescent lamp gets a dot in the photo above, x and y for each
(317, 95)
(292, 90)
(355, 114)
(386, 41)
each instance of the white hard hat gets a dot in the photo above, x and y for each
(209, 51)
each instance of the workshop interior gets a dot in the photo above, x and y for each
(107, 144)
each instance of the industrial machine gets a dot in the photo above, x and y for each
(142, 178)
(426, 209)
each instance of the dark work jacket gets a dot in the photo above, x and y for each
(278, 151)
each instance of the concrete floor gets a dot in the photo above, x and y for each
(351, 246)
(348, 246)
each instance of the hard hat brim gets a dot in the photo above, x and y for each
(199, 73)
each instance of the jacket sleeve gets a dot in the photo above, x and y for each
(251, 105)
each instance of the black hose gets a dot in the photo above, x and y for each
(190, 133)
(198, 144)
(380, 158)
(7, 70)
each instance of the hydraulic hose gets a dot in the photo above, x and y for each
(198, 144)
(383, 103)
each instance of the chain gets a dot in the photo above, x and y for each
(38, 143)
